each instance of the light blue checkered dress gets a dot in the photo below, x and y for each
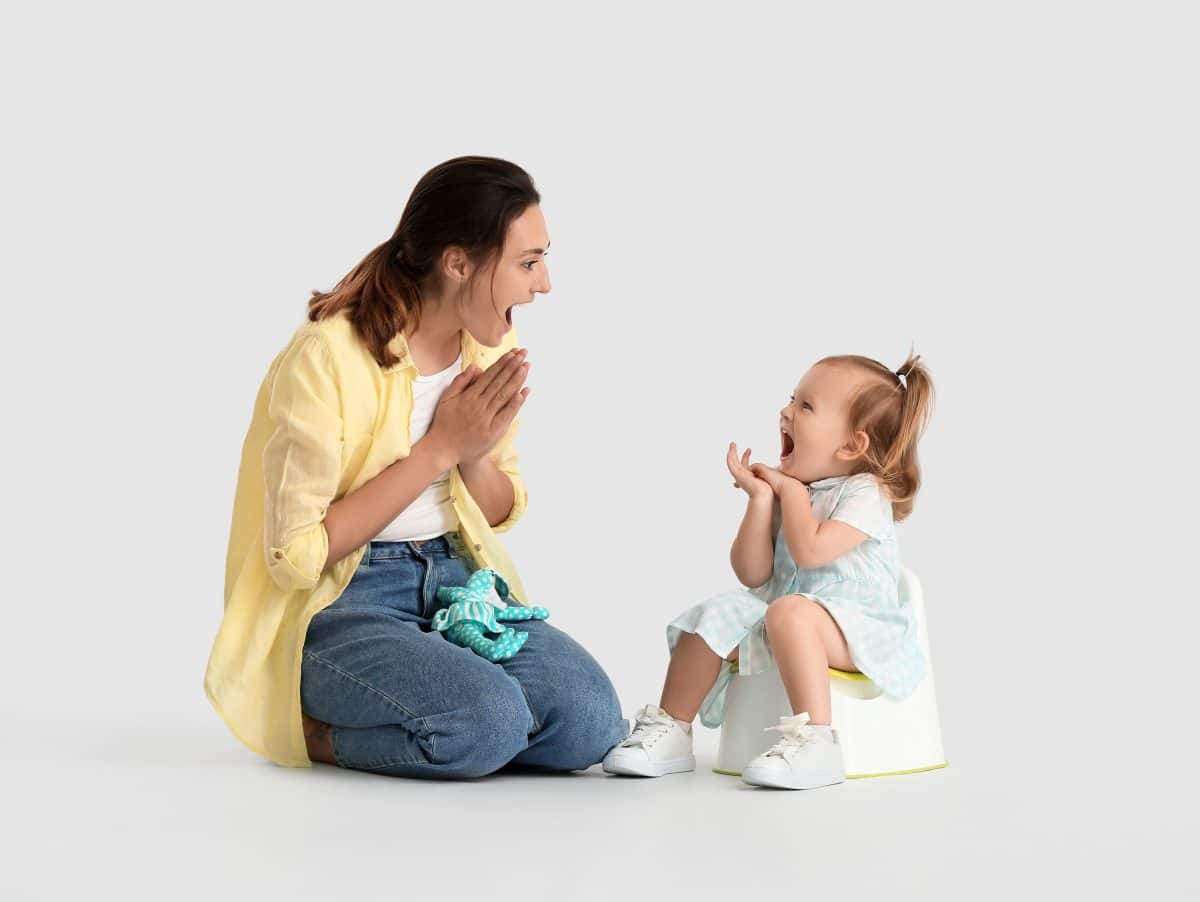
(860, 590)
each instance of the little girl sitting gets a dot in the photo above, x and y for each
(817, 552)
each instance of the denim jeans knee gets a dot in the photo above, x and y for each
(483, 735)
(588, 728)
(600, 708)
(405, 701)
(577, 715)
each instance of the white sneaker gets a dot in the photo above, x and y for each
(808, 756)
(657, 746)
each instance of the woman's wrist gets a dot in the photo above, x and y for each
(442, 455)
(472, 466)
(490, 486)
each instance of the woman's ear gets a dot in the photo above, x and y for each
(856, 446)
(456, 266)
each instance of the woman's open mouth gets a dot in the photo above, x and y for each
(788, 444)
(508, 315)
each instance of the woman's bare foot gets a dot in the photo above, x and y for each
(318, 739)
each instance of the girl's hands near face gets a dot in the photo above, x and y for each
(478, 407)
(779, 481)
(743, 478)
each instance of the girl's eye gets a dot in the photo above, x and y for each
(806, 404)
(529, 265)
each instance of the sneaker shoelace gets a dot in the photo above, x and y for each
(648, 728)
(795, 738)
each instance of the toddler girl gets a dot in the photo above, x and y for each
(817, 554)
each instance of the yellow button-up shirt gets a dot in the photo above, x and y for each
(326, 420)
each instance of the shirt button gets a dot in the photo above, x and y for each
(452, 499)
(278, 555)
(478, 547)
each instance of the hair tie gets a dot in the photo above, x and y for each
(903, 376)
(401, 259)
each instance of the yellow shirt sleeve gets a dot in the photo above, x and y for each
(301, 463)
(504, 456)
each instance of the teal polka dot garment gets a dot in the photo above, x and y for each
(478, 609)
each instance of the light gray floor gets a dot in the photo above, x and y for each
(733, 191)
(161, 807)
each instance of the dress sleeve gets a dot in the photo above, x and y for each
(865, 506)
(301, 464)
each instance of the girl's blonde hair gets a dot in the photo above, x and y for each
(893, 412)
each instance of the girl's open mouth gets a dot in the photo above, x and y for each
(508, 316)
(788, 444)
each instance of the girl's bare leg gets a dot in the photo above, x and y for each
(693, 670)
(806, 642)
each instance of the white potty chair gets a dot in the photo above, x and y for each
(879, 736)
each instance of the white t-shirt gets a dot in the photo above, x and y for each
(431, 513)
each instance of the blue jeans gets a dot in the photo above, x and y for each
(404, 700)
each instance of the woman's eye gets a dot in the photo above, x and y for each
(806, 404)
(530, 264)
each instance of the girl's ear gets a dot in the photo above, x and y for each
(855, 447)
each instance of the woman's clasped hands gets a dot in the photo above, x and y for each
(478, 407)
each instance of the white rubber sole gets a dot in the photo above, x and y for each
(637, 768)
(786, 780)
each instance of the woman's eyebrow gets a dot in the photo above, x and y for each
(537, 250)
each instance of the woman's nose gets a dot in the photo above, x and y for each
(543, 286)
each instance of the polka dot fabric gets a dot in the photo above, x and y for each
(480, 608)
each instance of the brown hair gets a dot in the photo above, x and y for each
(894, 414)
(468, 202)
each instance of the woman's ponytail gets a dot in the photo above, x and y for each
(467, 202)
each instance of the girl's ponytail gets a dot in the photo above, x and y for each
(900, 470)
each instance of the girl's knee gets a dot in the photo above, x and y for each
(794, 609)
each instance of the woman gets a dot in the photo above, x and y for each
(378, 467)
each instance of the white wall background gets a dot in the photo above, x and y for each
(732, 192)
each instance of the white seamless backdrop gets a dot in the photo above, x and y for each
(731, 193)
